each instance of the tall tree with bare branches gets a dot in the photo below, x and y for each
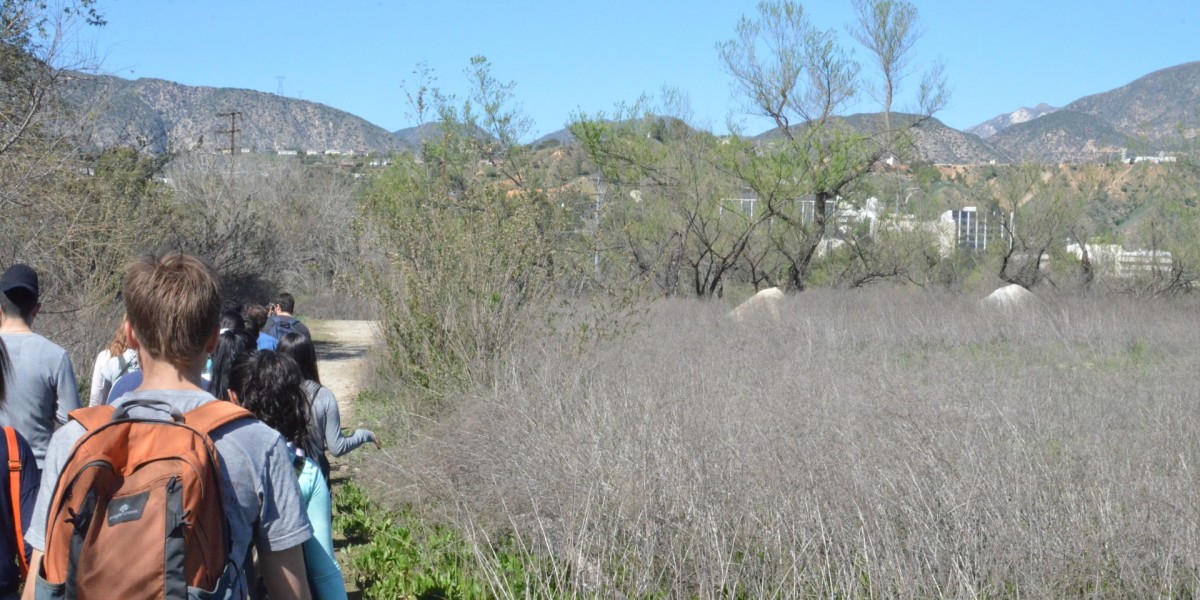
(802, 79)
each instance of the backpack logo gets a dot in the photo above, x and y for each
(128, 509)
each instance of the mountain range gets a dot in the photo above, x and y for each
(1155, 113)
(999, 123)
(157, 116)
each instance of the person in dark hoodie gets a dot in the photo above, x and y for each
(282, 322)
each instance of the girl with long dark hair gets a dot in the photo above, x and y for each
(326, 425)
(230, 344)
(269, 385)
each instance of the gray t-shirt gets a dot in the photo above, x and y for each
(41, 391)
(262, 496)
(325, 430)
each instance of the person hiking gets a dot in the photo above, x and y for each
(230, 345)
(281, 320)
(17, 497)
(42, 389)
(173, 303)
(256, 318)
(268, 384)
(231, 320)
(115, 361)
(326, 426)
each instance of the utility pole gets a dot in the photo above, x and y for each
(599, 194)
(233, 129)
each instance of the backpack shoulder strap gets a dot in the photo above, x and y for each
(14, 495)
(126, 366)
(92, 416)
(211, 415)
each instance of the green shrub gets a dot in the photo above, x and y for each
(397, 554)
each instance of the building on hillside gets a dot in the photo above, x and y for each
(1154, 159)
(746, 204)
(968, 229)
(838, 213)
(808, 208)
(848, 217)
(1161, 158)
(1112, 260)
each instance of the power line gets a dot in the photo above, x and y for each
(233, 129)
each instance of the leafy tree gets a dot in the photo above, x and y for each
(33, 65)
(462, 242)
(1169, 229)
(675, 217)
(1038, 211)
(800, 78)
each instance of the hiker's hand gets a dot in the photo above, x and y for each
(375, 438)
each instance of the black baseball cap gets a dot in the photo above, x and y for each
(20, 276)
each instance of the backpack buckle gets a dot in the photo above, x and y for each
(14, 465)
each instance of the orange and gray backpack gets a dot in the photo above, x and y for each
(138, 509)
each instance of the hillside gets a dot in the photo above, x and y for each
(999, 123)
(1062, 136)
(932, 141)
(1152, 108)
(1147, 115)
(413, 137)
(158, 115)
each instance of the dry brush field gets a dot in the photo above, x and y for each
(873, 444)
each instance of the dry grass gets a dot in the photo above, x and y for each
(875, 444)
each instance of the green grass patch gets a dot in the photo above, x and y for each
(398, 554)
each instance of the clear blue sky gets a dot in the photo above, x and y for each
(568, 55)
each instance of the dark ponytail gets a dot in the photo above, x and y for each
(230, 345)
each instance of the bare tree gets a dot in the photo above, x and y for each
(801, 79)
(888, 30)
(34, 63)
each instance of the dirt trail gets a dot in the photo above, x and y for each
(342, 348)
(342, 351)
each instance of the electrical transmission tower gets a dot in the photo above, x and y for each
(233, 129)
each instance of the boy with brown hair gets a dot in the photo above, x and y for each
(172, 306)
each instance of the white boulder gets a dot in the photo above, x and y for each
(764, 302)
(1008, 297)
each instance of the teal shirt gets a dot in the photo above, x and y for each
(324, 575)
